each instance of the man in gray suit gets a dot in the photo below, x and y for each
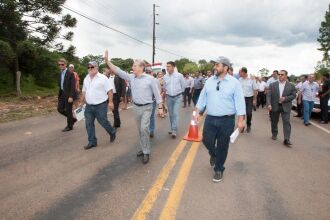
(279, 101)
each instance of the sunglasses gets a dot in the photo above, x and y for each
(218, 86)
(90, 67)
(61, 64)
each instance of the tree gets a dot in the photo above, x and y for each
(36, 21)
(324, 38)
(264, 72)
(190, 68)
(181, 63)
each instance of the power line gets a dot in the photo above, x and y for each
(118, 31)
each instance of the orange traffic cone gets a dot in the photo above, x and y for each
(193, 134)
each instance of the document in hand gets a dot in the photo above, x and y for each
(79, 113)
(234, 135)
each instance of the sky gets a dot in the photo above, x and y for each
(272, 34)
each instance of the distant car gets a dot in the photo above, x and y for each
(317, 107)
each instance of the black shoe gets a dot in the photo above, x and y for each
(145, 159)
(139, 154)
(170, 132)
(112, 137)
(248, 129)
(274, 137)
(307, 124)
(297, 116)
(118, 126)
(173, 135)
(218, 176)
(89, 146)
(287, 143)
(67, 129)
(151, 134)
(212, 161)
(323, 122)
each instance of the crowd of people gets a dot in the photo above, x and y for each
(227, 100)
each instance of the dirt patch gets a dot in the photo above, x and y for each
(26, 107)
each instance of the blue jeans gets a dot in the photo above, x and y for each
(100, 113)
(173, 104)
(152, 118)
(217, 130)
(308, 107)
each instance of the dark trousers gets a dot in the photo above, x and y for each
(186, 97)
(217, 130)
(196, 94)
(115, 111)
(285, 120)
(249, 107)
(100, 113)
(261, 99)
(65, 108)
(324, 108)
(300, 109)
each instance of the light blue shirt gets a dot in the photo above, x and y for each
(143, 87)
(62, 78)
(229, 100)
(309, 91)
(174, 84)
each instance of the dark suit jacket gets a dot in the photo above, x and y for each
(69, 87)
(273, 96)
(120, 86)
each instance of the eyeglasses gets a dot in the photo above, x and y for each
(61, 64)
(90, 67)
(218, 86)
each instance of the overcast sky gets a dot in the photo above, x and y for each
(275, 34)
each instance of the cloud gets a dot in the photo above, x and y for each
(256, 32)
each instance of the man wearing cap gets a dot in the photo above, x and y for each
(97, 93)
(66, 95)
(250, 90)
(144, 88)
(223, 98)
(174, 86)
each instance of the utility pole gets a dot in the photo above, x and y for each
(154, 33)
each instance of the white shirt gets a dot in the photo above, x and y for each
(112, 82)
(309, 91)
(299, 85)
(248, 86)
(96, 89)
(282, 86)
(262, 85)
(189, 82)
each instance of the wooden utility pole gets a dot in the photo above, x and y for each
(154, 33)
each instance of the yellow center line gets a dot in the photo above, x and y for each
(173, 200)
(152, 195)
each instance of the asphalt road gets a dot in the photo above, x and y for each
(46, 174)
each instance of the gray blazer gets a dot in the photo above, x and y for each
(273, 96)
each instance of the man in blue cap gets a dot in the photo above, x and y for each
(223, 98)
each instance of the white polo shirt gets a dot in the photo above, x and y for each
(261, 86)
(248, 86)
(112, 82)
(96, 89)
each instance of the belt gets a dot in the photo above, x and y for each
(174, 95)
(223, 116)
(142, 104)
(99, 103)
